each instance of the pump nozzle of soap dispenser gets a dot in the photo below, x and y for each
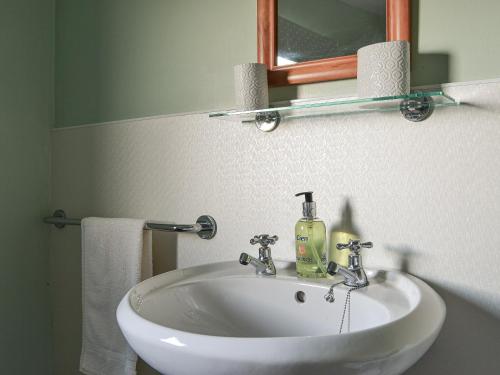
(308, 206)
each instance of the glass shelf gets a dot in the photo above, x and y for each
(407, 104)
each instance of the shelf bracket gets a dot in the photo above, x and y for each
(417, 109)
(267, 121)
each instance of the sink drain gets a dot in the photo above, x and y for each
(300, 296)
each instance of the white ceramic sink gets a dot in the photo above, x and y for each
(223, 319)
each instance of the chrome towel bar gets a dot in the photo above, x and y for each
(205, 226)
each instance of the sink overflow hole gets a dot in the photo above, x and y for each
(300, 296)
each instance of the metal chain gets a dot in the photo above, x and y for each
(347, 307)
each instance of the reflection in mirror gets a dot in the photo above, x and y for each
(319, 29)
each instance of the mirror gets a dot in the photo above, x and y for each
(319, 29)
(317, 40)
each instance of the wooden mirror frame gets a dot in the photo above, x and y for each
(329, 69)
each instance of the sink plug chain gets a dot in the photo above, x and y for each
(347, 308)
(330, 296)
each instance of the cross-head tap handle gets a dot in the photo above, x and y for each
(354, 245)
(264, 240)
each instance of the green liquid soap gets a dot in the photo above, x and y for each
(310, 246)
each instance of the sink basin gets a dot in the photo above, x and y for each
(223, 319)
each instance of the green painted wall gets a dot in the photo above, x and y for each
(120, 59)
(26, 114)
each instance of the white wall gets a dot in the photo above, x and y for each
(426, 194)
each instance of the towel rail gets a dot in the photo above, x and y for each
(205, 227)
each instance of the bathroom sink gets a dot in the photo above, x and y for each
(223, 319)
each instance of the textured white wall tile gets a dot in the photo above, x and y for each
(426, 194)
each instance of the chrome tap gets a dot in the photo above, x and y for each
(264, 265)
(354, 275)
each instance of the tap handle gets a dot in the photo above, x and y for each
(264, 240)
(354, 245)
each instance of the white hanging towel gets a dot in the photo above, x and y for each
(116, 255)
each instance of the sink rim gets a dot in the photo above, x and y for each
(200, 276)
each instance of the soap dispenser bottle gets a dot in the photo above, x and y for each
(310, 241)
